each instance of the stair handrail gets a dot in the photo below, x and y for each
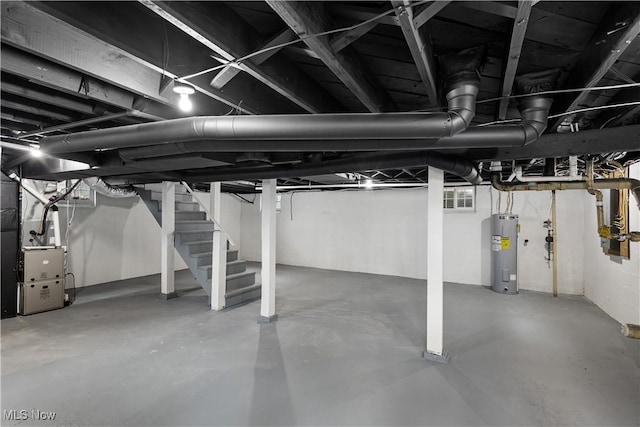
(202, 205)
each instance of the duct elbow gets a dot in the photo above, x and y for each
(535, 112)
(461, 102)
(473, 177)
(105, 189)
(462, 80)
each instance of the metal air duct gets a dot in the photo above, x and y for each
(462, 87)
(105, 189)
(360, 162)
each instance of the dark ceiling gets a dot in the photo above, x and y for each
(69, 67)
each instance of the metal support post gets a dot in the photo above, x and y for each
(268, 303)
(167, 270)
(435, 285)
(219, 257)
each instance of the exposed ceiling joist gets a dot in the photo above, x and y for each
(344, 39)
(615, 33)
(55, 76)
(495, 8)
(308, 18)
(270, 48)
(360, 13)
(420, 47)
(513, 58)
(47, 98)
(30, 29)
(224, 32)
(18, 119)
(36, 110)
(422, 16)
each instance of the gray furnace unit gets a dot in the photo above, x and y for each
(504, 253)
(42, 288)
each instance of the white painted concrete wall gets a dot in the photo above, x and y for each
(119, 238)
(384, 232)
(613, 283)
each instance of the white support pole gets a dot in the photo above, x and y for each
(219, 257)
(167, 271)
(435, 286)
(268, 303)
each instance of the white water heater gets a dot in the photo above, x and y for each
(504, 253)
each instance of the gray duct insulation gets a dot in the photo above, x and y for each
(267, 130)
(534, 111)
(462, 71)
(101, 187)
(360, 162)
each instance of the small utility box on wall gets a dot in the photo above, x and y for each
(504, 253)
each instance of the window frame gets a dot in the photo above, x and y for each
(460, 193)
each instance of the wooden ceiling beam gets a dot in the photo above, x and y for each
(97, 62)
(271, 47)
(51, 99)
(422, 16)
(36, 111)
(615, 33)
(361, 13)
(491, 7)
(344, 39)
(308, 18)
(219, 28)
(89, 55)
(419, 46)
(513, 58)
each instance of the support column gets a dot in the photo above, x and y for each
(167, 271)
(268, 303)
(219, 257)
(435, 285)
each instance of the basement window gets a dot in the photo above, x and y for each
(459, 198)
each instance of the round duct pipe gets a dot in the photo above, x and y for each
(108, 190)
(360, 162)
(463, 85)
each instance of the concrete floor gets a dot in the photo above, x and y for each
(345, 351)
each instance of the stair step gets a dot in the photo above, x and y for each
(191, 216)
(157, 195)
(204, 258)
(232, 255)
(199, 246)
(194, 236)
(233, 267)
(240, 280)
(183, 206)
(237, 266)
(157, 187)
(243, 295)
(194, 226)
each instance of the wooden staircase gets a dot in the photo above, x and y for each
(194, 243)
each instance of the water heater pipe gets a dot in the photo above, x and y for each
(592, 186)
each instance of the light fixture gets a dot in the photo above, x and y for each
(368, 184)
(184, 91)
(35, 150)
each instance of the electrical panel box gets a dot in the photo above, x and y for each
(504, 253)
(42, 285)
(43, 295)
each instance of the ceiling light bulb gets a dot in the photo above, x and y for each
(368, 184)
(185, 103)
(35, 151)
